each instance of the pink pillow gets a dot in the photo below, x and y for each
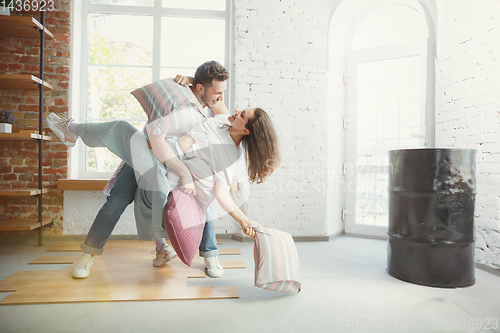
(184, 221)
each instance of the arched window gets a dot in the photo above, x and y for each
(389, 105)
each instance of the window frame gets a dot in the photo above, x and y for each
(79, 60)
(354, 57)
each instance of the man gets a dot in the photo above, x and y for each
(177, 111)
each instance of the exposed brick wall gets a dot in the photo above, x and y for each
(468, 105)
(19, 159)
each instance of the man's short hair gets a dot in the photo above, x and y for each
(208, 71)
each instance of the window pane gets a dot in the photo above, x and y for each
(148, 3)
(389, 108)
(372, 199)
(196, 4)
(389, 25)
(120, 39)
(100, 159)
(121, 57)
(109, 92)
(179, 50)
(172, 72)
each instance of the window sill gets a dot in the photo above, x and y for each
(98, 185)
(81, 184)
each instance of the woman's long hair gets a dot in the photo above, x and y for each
(261, 145)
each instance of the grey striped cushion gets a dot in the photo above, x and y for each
(276, 261)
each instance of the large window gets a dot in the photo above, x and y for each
(125, 44)
(388, 92)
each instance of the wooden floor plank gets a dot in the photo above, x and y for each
(230, 264)
(226, 252)
(68, 260)
(54, 260)
(66, 248)
(76, 248)
(112, 280)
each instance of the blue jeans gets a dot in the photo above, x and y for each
(116, 136)
(208, 246)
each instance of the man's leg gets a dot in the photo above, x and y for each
(120, 137)
(123, 140)
(120, 197)
(208, 247)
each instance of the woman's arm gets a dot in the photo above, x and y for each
(166, 155)
(227, 203)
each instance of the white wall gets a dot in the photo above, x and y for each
(468, 104)
(80, 210)
(281, 65)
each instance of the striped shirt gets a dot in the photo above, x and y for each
(171, 108)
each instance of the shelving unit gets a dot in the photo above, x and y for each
(27, 27)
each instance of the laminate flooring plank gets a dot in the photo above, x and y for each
(54, 260)
(113, 280)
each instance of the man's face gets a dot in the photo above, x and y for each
(213, 93)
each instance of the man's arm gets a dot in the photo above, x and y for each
(166, 155)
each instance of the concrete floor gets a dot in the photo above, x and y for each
(345, 288)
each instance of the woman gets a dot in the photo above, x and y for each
(213, 145)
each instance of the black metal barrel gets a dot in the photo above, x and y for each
(431, 216)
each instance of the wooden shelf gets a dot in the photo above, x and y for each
(21, 26)
(22, 191)
(23, 136)
(21, 224)
(81, 184)
(26, 81)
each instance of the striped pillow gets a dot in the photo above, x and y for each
(169, 107)
(276, 261)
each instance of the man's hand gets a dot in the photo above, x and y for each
(184, 80)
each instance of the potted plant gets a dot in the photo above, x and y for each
(7, 118)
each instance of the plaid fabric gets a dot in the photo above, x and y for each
(171, 108)
(276, 261)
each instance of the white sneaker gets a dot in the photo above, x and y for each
(83, 266)
(60, 126)
(164, 256)
(213, 268)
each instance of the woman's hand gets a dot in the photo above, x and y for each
(183, 80)
(187, 185)
(247, 230)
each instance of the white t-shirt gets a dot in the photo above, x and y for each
(214, 145)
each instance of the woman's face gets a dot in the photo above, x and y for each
(240, 118)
